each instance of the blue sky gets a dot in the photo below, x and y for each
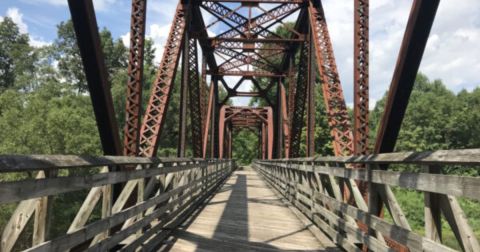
(452, 53)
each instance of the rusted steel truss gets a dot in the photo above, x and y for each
(195, 99)
(160, 94)
(337, 113)
(298, 103)
(247, 117)
(135, 78)
(360, 100)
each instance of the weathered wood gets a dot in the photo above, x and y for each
(470, 157)
(433, 217)
(27, 189)
(460, 186)
(243, 216)
(81, 235)
(328, 205)
(18, 221)
(16, 163)
(458, 221)
(42, 221)
(86, 209)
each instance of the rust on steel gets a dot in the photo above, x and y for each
(195, 99)
(298, 102)
(135, 77)
(361, 74)
(161, 89)
(338, 118)
(248, 117)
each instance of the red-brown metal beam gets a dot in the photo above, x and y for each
(310, 131)
(135, 78)
(88, 40)
(337, 113)
(162, 86)
(409, 58)
(210, 111)
(297, 112)
(195, 99)
(360, 81)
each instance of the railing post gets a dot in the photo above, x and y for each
(43, 210)
(433, 218)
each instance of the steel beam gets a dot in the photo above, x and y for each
(310, 133)
(184, 88)
(88, 40)
(162, 87)
(413, 45)
(299, 101)
(195, 99)
(337, 113)
(361, 77)
(135, 77)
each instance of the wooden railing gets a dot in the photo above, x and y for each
(142, 199)
(316, 185)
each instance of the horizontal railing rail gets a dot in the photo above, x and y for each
(153, 196)
(316, 187)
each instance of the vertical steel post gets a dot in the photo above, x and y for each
(310, 136)
(182, 132)
(135, 77)
(361, 77)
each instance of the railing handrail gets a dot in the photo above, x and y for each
(19, 163)
(467, 157)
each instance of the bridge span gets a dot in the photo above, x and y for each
(289, 199)
(213, 205)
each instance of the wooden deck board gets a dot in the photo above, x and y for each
(245, 215)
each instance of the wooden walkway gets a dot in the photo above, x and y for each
(245, 215)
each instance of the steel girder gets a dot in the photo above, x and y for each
(337, 113)
(195, 99)
(254, 26)
(411, 52)
(88, 39)
(135, 78)
(300, 97)
(361, 74)
(155, 114)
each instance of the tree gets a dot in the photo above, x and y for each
(67, 54)
(17, 57)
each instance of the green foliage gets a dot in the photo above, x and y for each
(17, 57)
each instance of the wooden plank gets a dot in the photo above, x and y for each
(432, 211)
(18, 221)
(470, 157)
(246, 205)
(460, 186)
(69, 240)
(16, 163)
(27, 189)
(458, 221)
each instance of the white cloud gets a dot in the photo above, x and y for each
(17, 18)
(99, 5)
